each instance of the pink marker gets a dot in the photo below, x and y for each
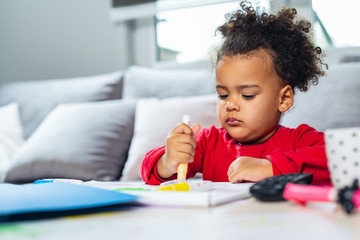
(305, 193)
(349, 197)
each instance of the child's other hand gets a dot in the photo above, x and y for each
(180, 147)
(249, 169)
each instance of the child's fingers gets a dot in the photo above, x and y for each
(234, 167)
(175, 158)
(180, 151)
(249, 169)
(184, 139)
(182, 134)
(183, 157)
(186, 129)
(180, 146)
(234, 178)
(182, 129)
(195, 129)
(188, 148)
(234, 174)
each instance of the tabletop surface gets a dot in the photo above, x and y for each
(242, 219)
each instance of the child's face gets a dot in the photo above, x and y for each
(248, 96)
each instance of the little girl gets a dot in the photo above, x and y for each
(263, 60)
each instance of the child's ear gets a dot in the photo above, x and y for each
(286, 98)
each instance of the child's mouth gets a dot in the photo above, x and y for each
(233, 121)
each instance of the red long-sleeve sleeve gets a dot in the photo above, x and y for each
(149, 164)
(307, 155)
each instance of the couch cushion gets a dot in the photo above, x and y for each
(11, 136)
(141, 82)
(81, 140)
(156, 118)
(333, 103)
(37, 98)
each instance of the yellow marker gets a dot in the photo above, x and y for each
(182, 171)
(187, 186)
(175, 187)
(183, 167)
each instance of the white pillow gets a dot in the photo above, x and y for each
(11, 136)
(155, 118)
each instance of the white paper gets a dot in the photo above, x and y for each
(223, 192)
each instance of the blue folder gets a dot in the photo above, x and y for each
(31, 201)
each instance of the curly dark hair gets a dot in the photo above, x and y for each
(287, 40)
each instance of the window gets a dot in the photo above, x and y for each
(185, 30)
(335, 23)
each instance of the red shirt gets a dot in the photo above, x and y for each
(290, 150)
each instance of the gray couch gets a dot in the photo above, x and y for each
(99, 127)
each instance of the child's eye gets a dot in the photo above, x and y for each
(248, 97)
(222, 96)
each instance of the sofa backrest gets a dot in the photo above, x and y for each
(333, 103)
(37, 98)
(142, 82)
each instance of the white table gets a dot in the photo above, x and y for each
(243, 219)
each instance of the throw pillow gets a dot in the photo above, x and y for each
(37, 98)
(156, 118)
(11, 136)
(87, 141)
(142, 82)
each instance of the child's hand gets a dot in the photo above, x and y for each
(180, 147)
(249, 169)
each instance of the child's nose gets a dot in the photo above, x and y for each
(232, 106)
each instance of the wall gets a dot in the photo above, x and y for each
(45, 39)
